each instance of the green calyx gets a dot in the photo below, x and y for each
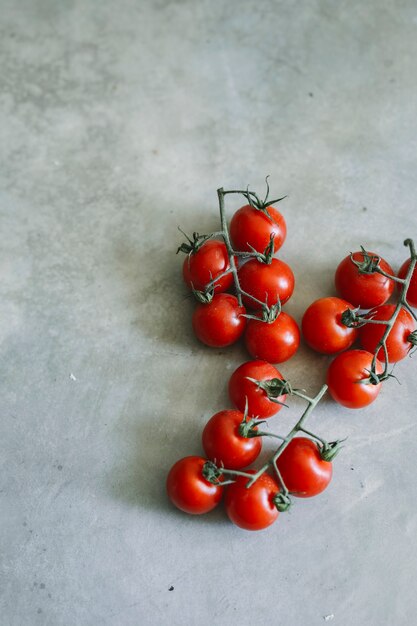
(212, 473)
(412, 338)
(262, 205)
(274, 388)
(370, 263)
(282, 501)
(329, 450)
(269, 313)
(351, 319)
(204, 297)
(192, 245)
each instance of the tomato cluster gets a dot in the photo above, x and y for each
(331, 325)
(243, 264)
(241, 288)
(232, 441)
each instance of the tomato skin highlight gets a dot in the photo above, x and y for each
(343, 377)
(220, 322)
(397, 343)
(251, 227)
(412, 289)
(267, 283)
(322, 326)
(201, 267)
(274, 342)
(240, 388)
(303, 471)
(223, 444)
(363, 290)
(252, 508)
(187, 488)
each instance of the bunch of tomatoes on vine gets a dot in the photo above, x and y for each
(241, 287)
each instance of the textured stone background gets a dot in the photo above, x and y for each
(118, 122)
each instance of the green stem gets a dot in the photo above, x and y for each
(312, 403)
(230, 252)
(402, 302)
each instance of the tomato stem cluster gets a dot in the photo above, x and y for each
(328, 450)
(371, 265)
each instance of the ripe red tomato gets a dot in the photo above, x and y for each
(275, 341)
(363, 290)
(223, 443)
(303, 471)
(343, 377)
(252, 508)
(240, 388)
(189, 490)
(220, 322)
(267, 283)
(412, 289)
(252, 228)
(397, 342)
(323, 328)
(201, 267)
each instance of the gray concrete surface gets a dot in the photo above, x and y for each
(118, 122)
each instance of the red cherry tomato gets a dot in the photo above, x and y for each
(267, 283)
(252, 508)
(201, 267)
(412, 289)
(252, 228)
(397, 342)
(274, 342)
(344, 376)
(189, 490)
(363, 290)
(303, 471)
(240, 388)
(223, 443)
(220, 322)
(323, 328)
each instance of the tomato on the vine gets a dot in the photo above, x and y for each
(344, 378)
(323, 328)
(223, 443)
(189, 490)
(269, 283)
(363, 290)
(397, 342)
(275, 341)
(251, 228)
(220, 322)
(201, 267)
(252, 508)
(241, 388)
(303, 471)
(412, 289)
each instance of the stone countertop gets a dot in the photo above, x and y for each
(118, 122)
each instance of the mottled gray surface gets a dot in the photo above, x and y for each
(118, 122)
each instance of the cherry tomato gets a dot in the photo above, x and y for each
(201, 267)
(252, 508)
(267, 283)
(252, 228)
(363, 290)
(240, 388)
(323, 328)
(189, 490)
(220, 322)
(275, 341)
(223, 443)
(397, 342)
(343, 377)
(412, 289)
(303, 471)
